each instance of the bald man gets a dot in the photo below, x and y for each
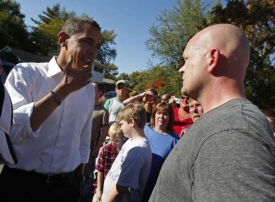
(228, 154)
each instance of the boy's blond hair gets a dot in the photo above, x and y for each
(135, 111)
(115, 131)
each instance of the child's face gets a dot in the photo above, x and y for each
(117, 141)
(126, 128)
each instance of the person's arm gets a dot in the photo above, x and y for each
(73, 79)
(133, 99)
(99, 188)
(101, 140)
(116, 193)
(107, 104)
(100, 168)
(172, 101)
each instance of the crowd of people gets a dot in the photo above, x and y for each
(215, 145)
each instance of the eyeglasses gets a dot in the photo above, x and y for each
(184, 98)
(120, 87)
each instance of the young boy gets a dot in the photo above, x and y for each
(107, 156)
(129, 173)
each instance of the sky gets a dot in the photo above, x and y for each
(130, 20)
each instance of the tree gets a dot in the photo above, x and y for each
(256, 18)
(44, 37)
(111, 72)
(163, 79)
(13, 30)
(173, 30)
(44, 34)
(107, 52)
(169, 37)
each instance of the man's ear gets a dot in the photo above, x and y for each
(214, 56)
(62, 38)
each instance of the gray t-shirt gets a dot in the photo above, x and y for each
(227, 155)
(130, 169)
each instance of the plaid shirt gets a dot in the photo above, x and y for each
(106, 158)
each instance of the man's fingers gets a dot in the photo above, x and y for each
(69, 64)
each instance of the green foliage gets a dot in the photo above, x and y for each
(44, 34)
(169, 37)
(163, 79)
(13, 30)
(174, 28)
(55, 12)
(111, 72)
(107, 52)
(256, 18)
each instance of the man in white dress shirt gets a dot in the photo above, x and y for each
(52, 118)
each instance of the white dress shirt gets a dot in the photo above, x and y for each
(62, 142)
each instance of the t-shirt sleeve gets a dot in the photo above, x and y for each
(105, 119)
(228, 170)
(131, 168)
(107, 104)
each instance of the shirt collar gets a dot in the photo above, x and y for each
(53, 68)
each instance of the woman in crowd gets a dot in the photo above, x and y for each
(162, 139)
(149, 98)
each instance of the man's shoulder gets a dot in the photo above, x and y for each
(238, 115)
(30, 65)
(115, 99)
(108, 101)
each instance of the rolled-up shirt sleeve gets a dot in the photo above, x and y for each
(19, 86)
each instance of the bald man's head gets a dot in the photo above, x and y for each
(230, 40)
(217, 54)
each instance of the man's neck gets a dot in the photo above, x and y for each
(121, 98)
(219, 97)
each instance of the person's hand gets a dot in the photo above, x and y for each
(149, 97)
(142, 94)
(76, 78)
(95, 152)
(172, 99)
(98, 193)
